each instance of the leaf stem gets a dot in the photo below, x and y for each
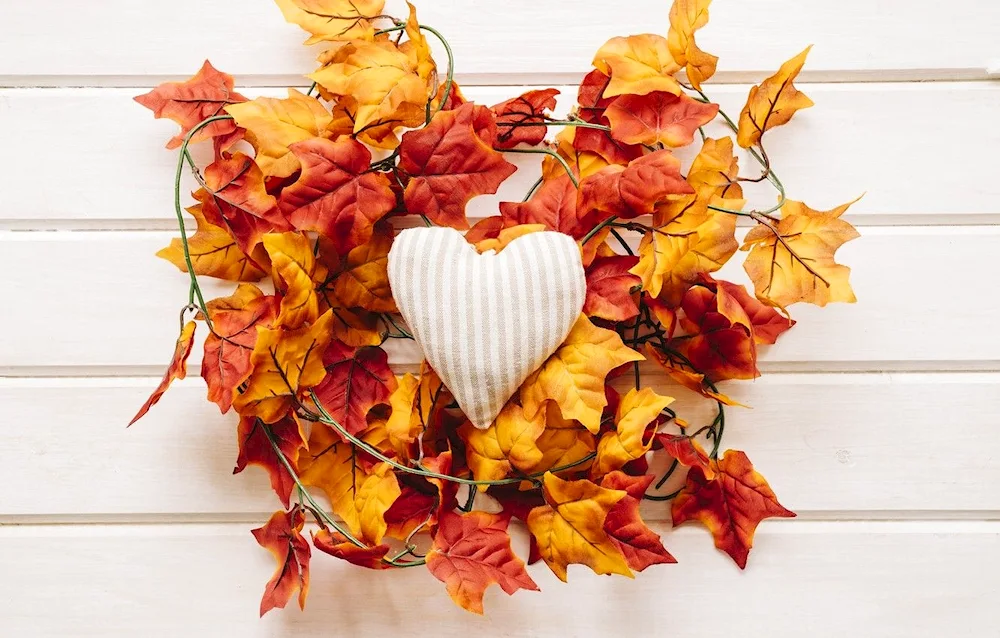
(550, 152)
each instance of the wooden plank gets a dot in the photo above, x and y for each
(521, 41)
(103, 299)
(113, 172)
(877, 446)
(893, 580)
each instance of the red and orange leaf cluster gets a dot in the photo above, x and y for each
(384, 468)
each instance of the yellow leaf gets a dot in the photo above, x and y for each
(563, 442)
(626, 443)
(292, 265)
(638, 64)
(417, 49)
(357, 495)
(569, 528)
(686, 17)
(214, 253)
(273, 125)
(382, 80)
(714, 170)
(283, 364)
(331, 20)
(415, 404)
(773, 102)
(794, 261)
(688, 239)
(583, 163)
(509, 443)
(573, 377)
(364, 281)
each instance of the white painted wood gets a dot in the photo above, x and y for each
(113, 171)
(820, 579)
(857, 445)
(113, 42)
(103, 299)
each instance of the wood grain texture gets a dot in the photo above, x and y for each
(103, 299)
(821, 579)
(114, 42)
(115, 173)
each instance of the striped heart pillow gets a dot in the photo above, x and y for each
(485, 322)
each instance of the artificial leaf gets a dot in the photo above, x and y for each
(234, 333)
(715, 169)
(364, 280)
(449, 162)
(720, 342)
(792, 260)
(506, 236)
(282, 536)
(569, 528)
(633, 190)
(345, 113)
(332, 20)
(358, 494)
(637, 64)
(213, 252)
(609, 288)
(687, 451)
(508, 444)
(658, 117)
(417, 49)
(273, 125)
(337, 195)
(254, 438)
(553, 204)
(593, 110)
(190, 102)
(640, 545)
(177, 369)
(573, 376)
(629, 440)
(730, 504)
(471, 552)
(283, 364)
(416, 405)
(582, 163)
(336, 544)
(357, 380)
(292, 265)
(686, 17)
(773, 102)
(687, 240)
(235, 197)
(766, 323)
(381, 79)
(563, 443)
(415, 507)
(682, 374)
(521, 120)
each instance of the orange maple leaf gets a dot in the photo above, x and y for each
(282, 536)
(773, 102)
(640, 545)
(357, 379)
(177, 369)
(633, 190)
(609, 288)
(516, 116)
(658, 117)
(255, 447)
(336, 544)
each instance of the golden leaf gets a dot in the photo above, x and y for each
(714, 170)
(773, 102)
(628, 442)
(331, 20)
(214, 252)
(292, 265)
(507, 444)
(563, 442)
(686, 17)
(638, 64)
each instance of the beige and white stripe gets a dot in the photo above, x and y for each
(486, 322)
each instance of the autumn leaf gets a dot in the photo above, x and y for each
(687, 239)
(720, 341)
(283, 364)
(273, 125)
(573, 377)
(417, 49)
(234, 197)
(773, 102)
(282, 536)
(658, 117)
(332, 20)
(190, 102)
(640, 545)
(415, 507)
(255, 448)
(630, 439)
(357, 380)
(766, 323)
(609, 288)
(569, 528)
(687, 451)
(506, 236)
(338, 545)
(292, 265)
(582, 162)
(337, 195)
(633, 190)
(416, 404)
(226, 362)
(637, 64)
(792, 260)
(381, 79)
(508, 443)
(563, 442)
(177, 369)
(553, 204)
(471, 552)
(593, 110)
(715, 169)
(516, 116)
(358, 494)
(364, 279)
(686, 17)
(213, 251)
(730, 504)
(682, 374)
(449, 163)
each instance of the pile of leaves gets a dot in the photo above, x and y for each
(381, 141)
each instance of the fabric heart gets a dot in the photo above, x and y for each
(486, 321)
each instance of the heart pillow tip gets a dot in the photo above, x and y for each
(485, 322)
